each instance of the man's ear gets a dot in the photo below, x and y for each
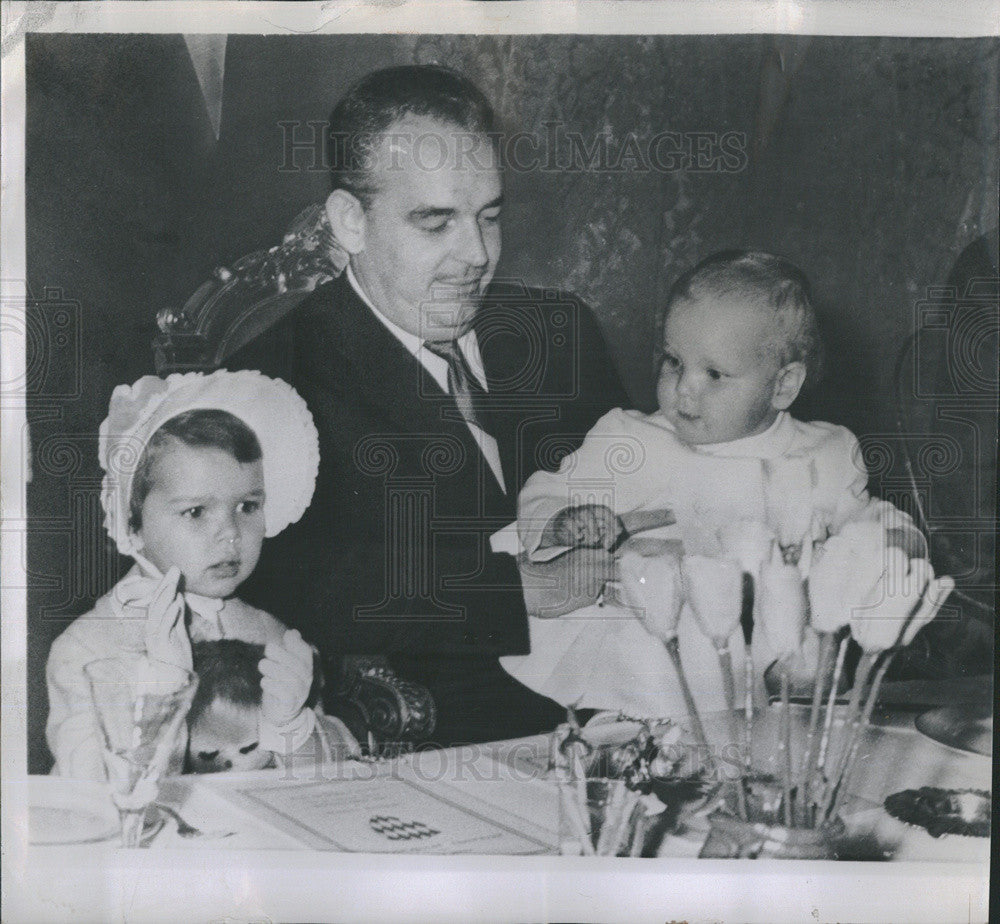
(347, 220)
(788, 384)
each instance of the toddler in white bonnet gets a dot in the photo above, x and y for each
(199, 469)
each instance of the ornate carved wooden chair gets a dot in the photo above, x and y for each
(228, 311)
(240, 302)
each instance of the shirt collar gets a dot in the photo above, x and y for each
(774, 441)
(467, 342)
(411, 341)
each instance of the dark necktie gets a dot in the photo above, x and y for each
(462, 383)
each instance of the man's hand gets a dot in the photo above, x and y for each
(587, 526)
(564, 584)
(286, 678)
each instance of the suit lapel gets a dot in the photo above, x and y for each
(392, 378)
(384, 371)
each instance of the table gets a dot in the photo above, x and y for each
(265, 872)
(497, 798)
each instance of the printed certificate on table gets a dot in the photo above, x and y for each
(390, 811)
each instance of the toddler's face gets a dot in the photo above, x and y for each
(225, 737)
(205, 514)
(718, 377)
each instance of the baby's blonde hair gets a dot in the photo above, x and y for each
(768, 281)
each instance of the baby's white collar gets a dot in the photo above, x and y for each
(771, 442)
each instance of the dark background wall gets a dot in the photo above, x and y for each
(871, 163)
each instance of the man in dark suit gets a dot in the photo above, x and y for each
(436, 391)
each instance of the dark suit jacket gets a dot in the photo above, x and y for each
(393, 555)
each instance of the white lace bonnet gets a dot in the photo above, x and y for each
(271, 408)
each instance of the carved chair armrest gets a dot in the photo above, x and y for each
(397, 712)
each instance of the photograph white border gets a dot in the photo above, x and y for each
(266, 885)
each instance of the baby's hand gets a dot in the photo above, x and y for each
(590, 526)
(910, 540)
(286, 678)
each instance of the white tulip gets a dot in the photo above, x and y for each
(781, 607)
(878, 622)
(788, 488)
(748, 541)
(714, 589)
(652, 584)
(844, 574)
(934, 596)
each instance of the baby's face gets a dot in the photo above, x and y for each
(718, 377)
(205, 514)
(225, 737)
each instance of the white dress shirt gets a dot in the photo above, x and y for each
(437, 367)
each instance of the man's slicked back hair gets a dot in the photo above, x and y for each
(384, 97)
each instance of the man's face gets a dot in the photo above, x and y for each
(432, 231)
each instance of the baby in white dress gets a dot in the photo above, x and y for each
(740, 341)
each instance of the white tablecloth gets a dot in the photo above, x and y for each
(507, 782)
(264, 873)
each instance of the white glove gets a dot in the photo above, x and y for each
(166, 634)
(286, 678)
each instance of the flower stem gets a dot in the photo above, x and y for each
(748, 679)
(729, 689)
(613, 808)
(823, 670)
(639, 835)
(851, 728)
(785, 746)
(576, 808)
(852, 759)
(571, 810)
(831, 704)
(673, 649)
(746, 619)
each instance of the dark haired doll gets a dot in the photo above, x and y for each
(223, 724)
